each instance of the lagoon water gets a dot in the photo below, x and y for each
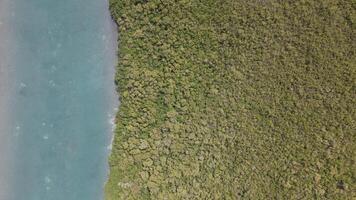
(59, 66)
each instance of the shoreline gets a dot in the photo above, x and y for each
(110, 45)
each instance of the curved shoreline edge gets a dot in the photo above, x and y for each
(110, 45)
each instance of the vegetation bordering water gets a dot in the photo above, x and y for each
(235, 100)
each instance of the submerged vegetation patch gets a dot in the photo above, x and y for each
(239, 99)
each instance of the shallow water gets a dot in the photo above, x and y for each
(62, 58)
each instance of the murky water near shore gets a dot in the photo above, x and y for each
(61, 99)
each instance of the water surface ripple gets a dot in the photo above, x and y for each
(62, 55)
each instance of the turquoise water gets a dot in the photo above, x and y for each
(63, 80)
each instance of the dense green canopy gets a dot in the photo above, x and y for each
(237, 99)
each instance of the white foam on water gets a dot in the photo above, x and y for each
(23, 85)
(47, 180)
(52, 83)
(113, 127)
(17, 131)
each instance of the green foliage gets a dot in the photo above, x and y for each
(239, 99)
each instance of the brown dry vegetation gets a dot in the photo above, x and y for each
(239, 99)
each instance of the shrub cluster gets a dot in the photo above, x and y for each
(237, 99)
